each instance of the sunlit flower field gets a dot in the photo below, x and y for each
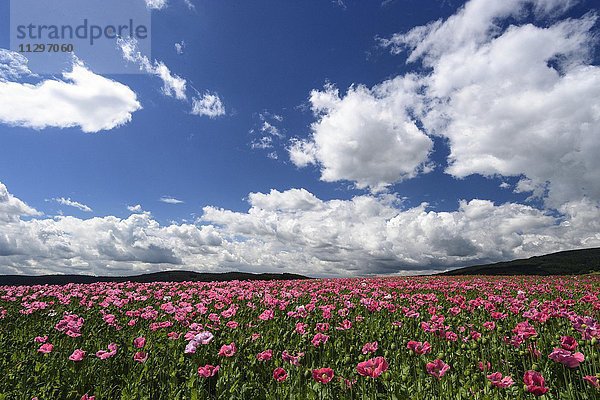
(387, 338)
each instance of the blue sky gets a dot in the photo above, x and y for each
(344, 119)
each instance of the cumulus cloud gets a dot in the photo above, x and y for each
(82, 98)
(292, 230)
(135, 208)
(517, 101)
(366, 136)
(375, 234)
(170, 200)
(13, 65)
(173, 85)
(209, 104)
(12, 209)
(72, 203)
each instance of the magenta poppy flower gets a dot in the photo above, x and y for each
(88, 397)
(568, 343)
(418, 347)
(592, 380)
(437, 368)
(40, 339)
(319, 339)
(490, 325)
(373, 367)
(294, 360)
(46, 348)
(323, 375)
(265, 355)
(140, 356)
(344, 325)
(208, 370)
(497, 380)
(370, 347)
(228, 350)
(103, 354)
(534, 382)
(139, 342)
(266, 315)
(279, 374)
(77, 355)
(567, 358)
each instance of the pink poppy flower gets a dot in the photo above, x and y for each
(344, 325)
(373, 367)
(418, 347)
(592, 380)
(173, 335)
(502, 382)
(228, 350)
(265, 355)
(103, 354)
(437, 368)
(139, 342)
(208, 370)
(88, 397)
(534, 382)
(266, 315)
(294, 360)
(323, 375)
(490, 325)
(140, 356)
(46, 348)
(568, 343)
(232, 324)
(370, 347)
(319, 339)
(279, 374)
(77, 355)
(40, 339)
(567, 358)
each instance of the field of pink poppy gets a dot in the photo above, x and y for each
(380, 338)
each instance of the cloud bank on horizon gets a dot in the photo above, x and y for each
(510, 98)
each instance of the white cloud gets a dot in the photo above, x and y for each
(13, 65)
(135, 208)
(179, 47)
(72, 203)
(209, 104)
(190, 4)
(11, 208)
(295, 231)
(82, 98)
(170, 200)
(270, 129)
(173, 85)
(513, 99)
(369, 234)
(526, 102)
(156, 4)
(271, 134)
(302, 152)
(367, 136)
(265, 142)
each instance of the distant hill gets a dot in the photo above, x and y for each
(571, 262)
(167, 276)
